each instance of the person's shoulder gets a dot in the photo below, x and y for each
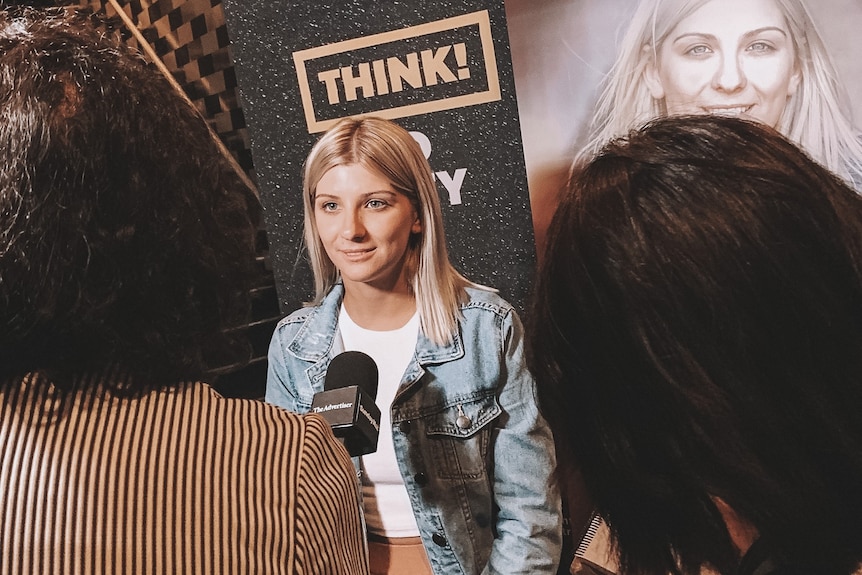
(486, 300)
(327, 306)
(299, 315)
(245, 409)
(291, 326)
(257, 421)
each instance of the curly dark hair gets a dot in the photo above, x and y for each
(696, 337)
(125, 237)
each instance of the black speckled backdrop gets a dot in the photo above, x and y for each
(490, 232)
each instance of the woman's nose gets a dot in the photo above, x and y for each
(352, 226)
(730, 76)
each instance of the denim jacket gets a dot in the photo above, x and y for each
(481, 488)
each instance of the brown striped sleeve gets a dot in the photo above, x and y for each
(327, 512)
(180, 481)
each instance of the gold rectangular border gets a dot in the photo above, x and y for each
(492, 94)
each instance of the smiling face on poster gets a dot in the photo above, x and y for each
(787, 63)
(734, 58)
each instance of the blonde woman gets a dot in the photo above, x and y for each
(761, 59)
(462, 478)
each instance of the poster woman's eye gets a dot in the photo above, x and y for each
(761, 47)
(699, 50)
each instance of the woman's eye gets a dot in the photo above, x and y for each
(760, 47)
(328, 206)
(698, 50)
(375, 203)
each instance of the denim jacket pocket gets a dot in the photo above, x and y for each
(459, 436)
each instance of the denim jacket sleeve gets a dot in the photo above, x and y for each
(278, 387)
(282, 389)
(299, 353)
(529, 521)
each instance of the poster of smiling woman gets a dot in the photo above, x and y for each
(607, 66)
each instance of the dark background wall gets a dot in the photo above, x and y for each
(461, 99)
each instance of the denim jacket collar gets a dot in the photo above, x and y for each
(319, 338)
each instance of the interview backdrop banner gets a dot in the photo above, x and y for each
(440, 69)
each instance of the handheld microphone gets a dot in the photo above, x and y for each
(347, 401)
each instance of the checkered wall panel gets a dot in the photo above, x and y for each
(191, 38)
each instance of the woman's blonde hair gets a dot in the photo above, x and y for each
(388, 149)
(815, 116)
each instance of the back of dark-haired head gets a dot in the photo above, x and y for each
(125, 238)
(697, 335)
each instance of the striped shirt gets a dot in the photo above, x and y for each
(177, 481)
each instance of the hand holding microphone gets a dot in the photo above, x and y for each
(347, 401)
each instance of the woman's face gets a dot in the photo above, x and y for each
(364, 226)
(732, 57)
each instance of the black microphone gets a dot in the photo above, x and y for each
(347, 401)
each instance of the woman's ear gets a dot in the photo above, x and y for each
(417, 226)
(650, 73)
(795, 80)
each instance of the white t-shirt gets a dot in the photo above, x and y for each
(387, 506)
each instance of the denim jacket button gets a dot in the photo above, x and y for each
(405, 426)
(421, 479)
(439, 539)
(463, 422)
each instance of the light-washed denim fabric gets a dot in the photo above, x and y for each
(482, 491)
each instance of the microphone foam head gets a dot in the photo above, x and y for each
(352, 368)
